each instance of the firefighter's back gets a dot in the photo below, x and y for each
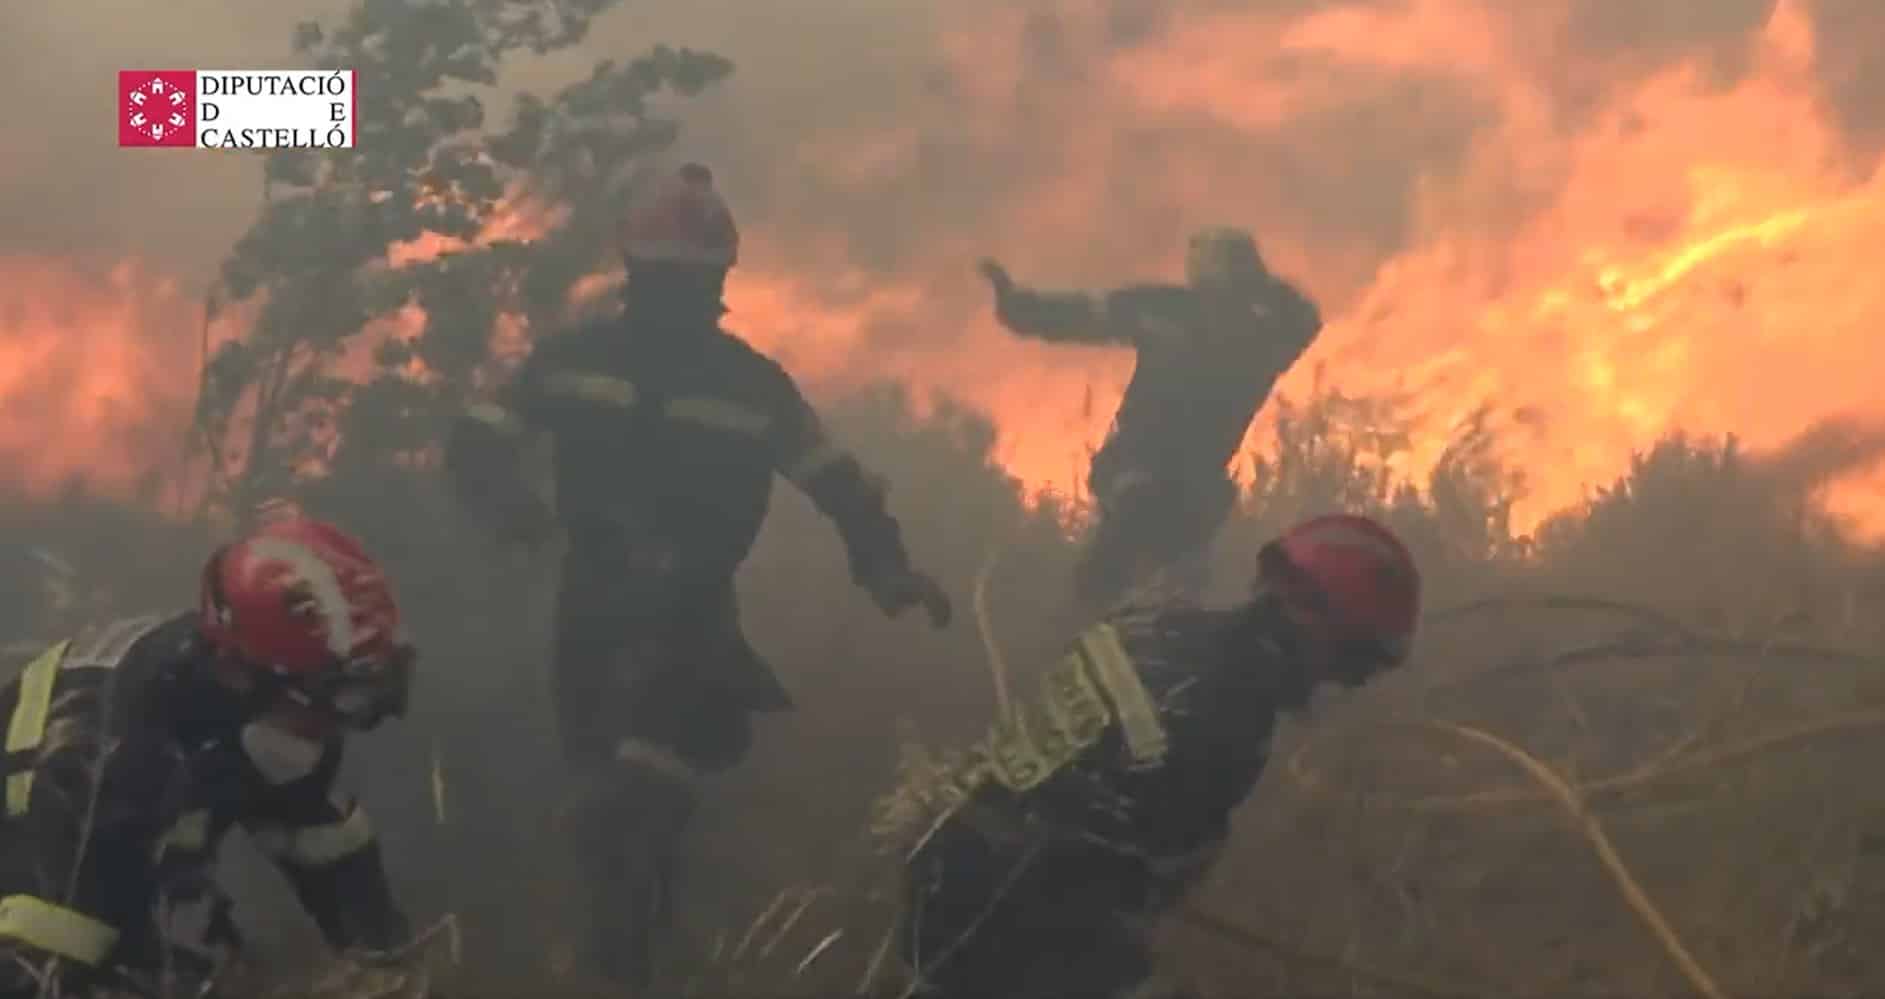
(1152, 729)
(1070, 864)
(1200, 379)
(662, 436)
(1166, 782)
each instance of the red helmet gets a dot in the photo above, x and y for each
(1354, 577)
(680, 218)
(301, 601)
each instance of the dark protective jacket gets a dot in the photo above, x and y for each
(1206, 364)
(667, 433)
(1039, 854)
(126, 764)
(1143, 740)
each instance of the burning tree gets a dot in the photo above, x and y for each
(379, 278)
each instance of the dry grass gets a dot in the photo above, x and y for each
(1702, 698)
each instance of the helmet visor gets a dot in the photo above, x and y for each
(364, 693)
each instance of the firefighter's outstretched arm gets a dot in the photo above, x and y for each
(484, 460)
(1057, 316)
(325, 846)
(854, 500)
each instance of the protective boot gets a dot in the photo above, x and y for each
(630, 842)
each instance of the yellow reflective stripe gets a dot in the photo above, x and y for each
(1074, 705)
(720, 414)
(55, 929)
(1050, 732)
(189, 832)
(27, 728)
(588, 386)
(315, 846)
(814, 461)
(1014, 758)
(496, 417)
(1132, 705)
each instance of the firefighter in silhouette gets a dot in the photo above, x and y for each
(133, 748)
(668, 431)
(1038, 859)
(1209, 352)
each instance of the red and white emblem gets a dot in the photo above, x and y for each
(157, 107)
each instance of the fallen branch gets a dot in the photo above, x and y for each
(984, 625)
(1300, 773)
(1250, 939)
(1548, 601)
(1593, 833)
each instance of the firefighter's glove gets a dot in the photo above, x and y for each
(897, 590)
(998, 279)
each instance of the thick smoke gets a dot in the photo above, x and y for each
(1852, 68)
(885, 136)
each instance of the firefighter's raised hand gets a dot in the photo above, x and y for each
(899, 590)
(998, 278)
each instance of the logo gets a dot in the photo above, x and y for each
(157, 107)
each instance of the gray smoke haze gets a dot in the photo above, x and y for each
(882, 133)
(1852, 67)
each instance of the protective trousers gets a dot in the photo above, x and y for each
(1151, 523)
(654, 686)
(982, 920)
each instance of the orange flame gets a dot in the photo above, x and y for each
(1674, 253)
(1695, 259)
(96, 368)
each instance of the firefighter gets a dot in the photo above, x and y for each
(1209, 352)
(668, 431)
(1037, 860)
(133, 748)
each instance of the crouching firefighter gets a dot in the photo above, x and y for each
(1209, 352)
(1038, 860)
(133, 748)
(667, 433)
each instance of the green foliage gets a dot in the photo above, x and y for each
(315, 263)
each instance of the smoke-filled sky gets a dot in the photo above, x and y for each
(1609, 218)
